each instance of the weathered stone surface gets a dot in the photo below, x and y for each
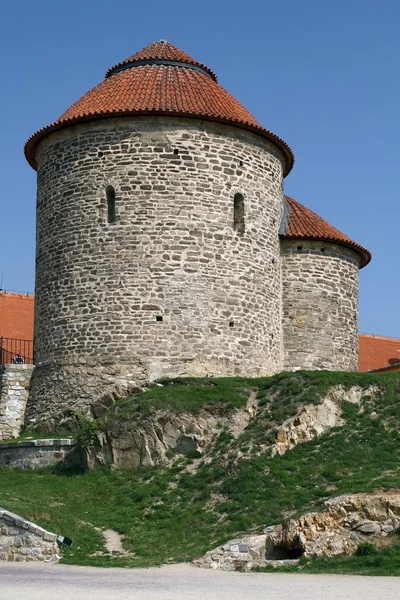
(236, 555)
(320, 306)
(170, 288)
(22, 540)
(347, 521)
(14, 390)
(163, 435)
(315, 419)
(37, 454)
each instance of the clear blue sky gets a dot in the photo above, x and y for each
(322, 75)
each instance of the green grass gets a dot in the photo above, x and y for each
(183, 395)
(173, 515)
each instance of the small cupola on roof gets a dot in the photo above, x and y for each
(161, 53)
(160, 80)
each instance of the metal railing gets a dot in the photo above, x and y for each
(13, 351)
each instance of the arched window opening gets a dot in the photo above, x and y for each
(110, 193)
(238, 214)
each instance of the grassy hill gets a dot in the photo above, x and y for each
(176, 513)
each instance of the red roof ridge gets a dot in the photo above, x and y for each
(26, 295)
(379, 337)
(303, 223)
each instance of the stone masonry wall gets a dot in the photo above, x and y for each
(14, 391)
(38, 454)
(22, 541)
(170, 288)
(320, 306)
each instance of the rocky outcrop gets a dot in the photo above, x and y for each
(160, 437)
(23, 541)
(236, 555)
(347, 521)
(315, 419)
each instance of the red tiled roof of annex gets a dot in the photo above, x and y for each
(16, 316)
(303, 223)
(160, 80)
(377, 352)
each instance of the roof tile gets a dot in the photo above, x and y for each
(303, 223)
(376, 352)
(161, 50)
(187, 89)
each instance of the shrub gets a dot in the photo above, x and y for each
(366, 549)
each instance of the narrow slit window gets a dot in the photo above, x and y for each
(110, 193)
(238, 214)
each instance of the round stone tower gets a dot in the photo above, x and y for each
(320, 267)
(158, 210)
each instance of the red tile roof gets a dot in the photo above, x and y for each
(16, 316)
(376, 352)
(305, 224)
(149, 84)
(161, 51)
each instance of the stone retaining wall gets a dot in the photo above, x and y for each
(14, 390)
(22, 541)
(36, 454)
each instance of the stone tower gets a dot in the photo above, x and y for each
(165, 245)
(320, 268)
(159, 204)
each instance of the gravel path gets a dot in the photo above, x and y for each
(183, 582)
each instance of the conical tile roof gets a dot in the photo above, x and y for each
(160, 80)
(160, 52)
(303, 223)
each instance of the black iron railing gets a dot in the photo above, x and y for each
(13, 351)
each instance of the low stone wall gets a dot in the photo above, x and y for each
(36, 454)
(14, 390)
(22, 541)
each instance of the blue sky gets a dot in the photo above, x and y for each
(324, 76)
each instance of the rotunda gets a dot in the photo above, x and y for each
(165, 246)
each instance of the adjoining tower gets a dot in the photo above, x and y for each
(320, 267)
(158, 211)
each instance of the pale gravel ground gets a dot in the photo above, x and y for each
(183, 582)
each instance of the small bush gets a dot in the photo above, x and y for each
(87, 433)
(366, 549)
